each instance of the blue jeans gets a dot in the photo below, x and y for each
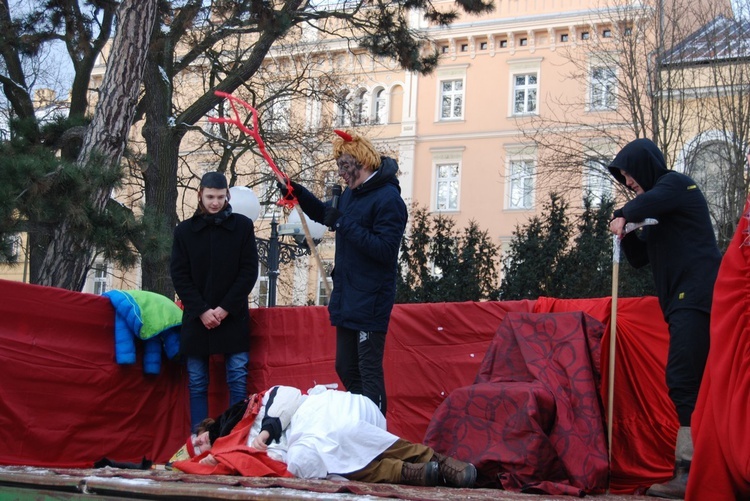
(198, 379)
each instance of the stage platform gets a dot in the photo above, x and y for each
(24, 483)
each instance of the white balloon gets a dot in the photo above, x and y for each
(243, 201)
(316, 229)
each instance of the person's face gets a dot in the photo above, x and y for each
(213, 199)
(351, 171)
(632, 183)
(202, 443)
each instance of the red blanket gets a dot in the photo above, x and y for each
(234, 456)
(533, 419)
(721, 462)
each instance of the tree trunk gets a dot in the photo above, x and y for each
(160, 178)
(69, 255)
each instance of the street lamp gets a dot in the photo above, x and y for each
(273, 251)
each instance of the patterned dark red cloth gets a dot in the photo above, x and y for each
(533, 420)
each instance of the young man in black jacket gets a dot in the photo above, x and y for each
(684, 260)
(214, 267)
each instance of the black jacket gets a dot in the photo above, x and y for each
(368, 239)
(682, 247)
(214, 263)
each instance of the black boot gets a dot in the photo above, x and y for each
(455, 473)
(422, 474)
(675, 488)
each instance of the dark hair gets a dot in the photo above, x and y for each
(204, 425)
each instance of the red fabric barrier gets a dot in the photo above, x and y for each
(63, 399)
(64, 402)
(721, 463)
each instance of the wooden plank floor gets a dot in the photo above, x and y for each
(26, 483)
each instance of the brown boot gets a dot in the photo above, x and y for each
(455, 473)
(423, 474)
(675, 488)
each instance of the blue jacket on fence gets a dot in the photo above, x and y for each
(150, 317)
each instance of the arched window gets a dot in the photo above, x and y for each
(380, 107)
(340, 119)
(710, 166)
(359, 108)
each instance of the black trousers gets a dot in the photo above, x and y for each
(359, 363)
(689, 339)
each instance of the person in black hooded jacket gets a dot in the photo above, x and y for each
(369, 221)
(684, 260)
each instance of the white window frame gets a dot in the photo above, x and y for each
(380, 107)
(521, 186)
(442, 157)
(313, 108)
(451, 73)
(100, 277)
(278, 113)
(267, 191)
(15, 243)
(262, 284)
(597, 182)
(322, 298)
(530, 91)
(447, 187)
(602, 88)
(454, 97)
(341, 115)
(359, 108)
(524, 67)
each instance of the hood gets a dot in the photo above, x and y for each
(643, 160)
(385, 174)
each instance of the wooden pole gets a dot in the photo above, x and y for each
(313, 248)
(612, 340)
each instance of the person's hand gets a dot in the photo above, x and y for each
(284, 191)
(331, 216)
(220, 313)
(209, 460)
(259, 442)
(617, 226)
(210, 319)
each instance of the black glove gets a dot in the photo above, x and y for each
(284, 191)
(332, 215)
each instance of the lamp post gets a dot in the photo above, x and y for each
(273, 252)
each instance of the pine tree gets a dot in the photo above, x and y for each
(585, 270)
(540, 263)
(443, 254)
(439, 265)
(534, 253)
(415, 278)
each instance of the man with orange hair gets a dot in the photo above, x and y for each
(369, 221)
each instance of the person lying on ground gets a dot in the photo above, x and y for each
(321, 434)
